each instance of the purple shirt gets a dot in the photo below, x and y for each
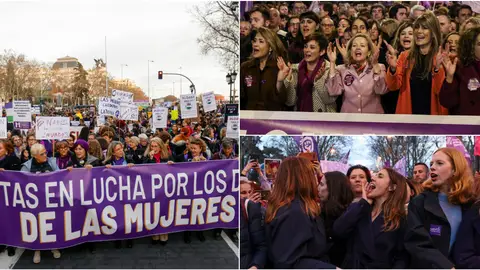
(361, 92)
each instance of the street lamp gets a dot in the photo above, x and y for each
(121, 68)
(231, 77)
(149, 61)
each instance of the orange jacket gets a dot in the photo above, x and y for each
(401, 80)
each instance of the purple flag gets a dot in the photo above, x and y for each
(63, 209)
(344, 159)
(401, 167)
(454, 142)
(306, 144)
(387, 164)
(330, 166)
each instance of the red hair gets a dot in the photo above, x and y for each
(461, 183)
(295, 179)
(393, 208)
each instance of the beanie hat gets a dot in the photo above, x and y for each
(82, 143)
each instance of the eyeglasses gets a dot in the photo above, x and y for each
(43, 154)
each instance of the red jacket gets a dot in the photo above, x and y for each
(457, 97)
(401, 80)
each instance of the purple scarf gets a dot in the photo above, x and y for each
(120, 161)
(305, 86)
(63, 161)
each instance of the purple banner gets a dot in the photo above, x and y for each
(456, 143)
(22, 125)
(63, 209)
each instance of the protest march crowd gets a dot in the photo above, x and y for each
(394, 57)
(297, 215)
(104, 140)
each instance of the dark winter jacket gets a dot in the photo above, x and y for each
(11, 163)
(466, 252)
(253, 249)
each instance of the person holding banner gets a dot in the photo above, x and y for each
(157, 152)
(116, 157)
(434, 215)
(82, 159)
(295, 231)
(63, 154)
(375, 225)
(197, 150)
(10, 162)
(40, 163)
(134, 152)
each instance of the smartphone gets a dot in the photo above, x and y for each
(264, 194)
(312, 156)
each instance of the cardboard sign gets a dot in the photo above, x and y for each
(128, 111)
(160, 116)
(3, 127)
(122, 96)
(36, 109)
(188, 106)
(52, 128)
(209, 103)
(22, 114)
(233, 127)
(108, 106)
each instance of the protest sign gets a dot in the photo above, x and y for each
(22, 114)
(35, 109)
(209, 103)
(188, 106)
(233, 127)
(230, 110)
(52, 128)
(62, 209)
(128, 111)
(75, 131)
(3, 127)
(9, 111)
(122, 96)
(160, 116)
(108, 106)
(174, 115)
(75, 123)
(331, 166)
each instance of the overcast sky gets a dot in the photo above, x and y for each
(137, 31)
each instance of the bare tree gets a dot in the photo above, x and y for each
(221, 36)
(333, 148)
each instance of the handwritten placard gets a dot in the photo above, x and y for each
(128, 111)
(3, 127)
(52, 128)
(109, 106)
(122, 96)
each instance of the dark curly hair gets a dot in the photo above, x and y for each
(466, 46)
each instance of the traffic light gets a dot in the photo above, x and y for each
(160, 75)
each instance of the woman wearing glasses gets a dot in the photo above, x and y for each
(40, 163)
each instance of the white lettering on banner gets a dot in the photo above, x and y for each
(109, 107)
(233, 127)
(122, 96)
(160, 117)
(209, 103)
(52, 128)
(128, 111)
(3, 127)
(188, 106)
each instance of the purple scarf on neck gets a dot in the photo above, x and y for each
(63, 161)
(305, 86)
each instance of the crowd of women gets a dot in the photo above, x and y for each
(116, 144)
(361, 58)
(361, 220)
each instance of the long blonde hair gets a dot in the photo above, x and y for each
(163, 148)
(371, 48)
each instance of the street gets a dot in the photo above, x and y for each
(176, 254)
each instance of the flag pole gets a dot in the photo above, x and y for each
(106, 70)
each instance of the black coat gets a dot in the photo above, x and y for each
(296, 240)
(11, 163)
(466, 252)
(427, 250)
(369, 246)
(135, 155)
(337, 246)
(253, 249)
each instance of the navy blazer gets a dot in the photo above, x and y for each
(369, 246)
(428, 234)
(466, 251)
(253, 249)
(296, 240)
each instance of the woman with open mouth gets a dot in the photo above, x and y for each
(305, 82)
(361, 79)
(418, 72)
(259, 88)
(434, 215)
(460, 92)
(375, 225)
(402, 41)
(309, 24)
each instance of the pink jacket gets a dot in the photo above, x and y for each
(361, 92)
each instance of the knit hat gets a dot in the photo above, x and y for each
(82, 143)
